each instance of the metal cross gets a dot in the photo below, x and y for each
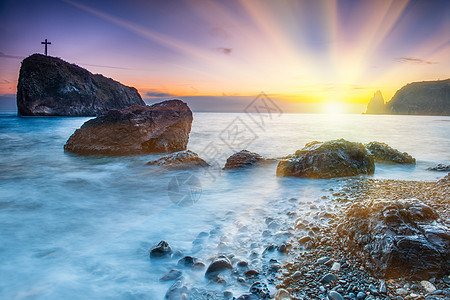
(46, 43)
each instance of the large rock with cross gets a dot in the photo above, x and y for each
(49, 86)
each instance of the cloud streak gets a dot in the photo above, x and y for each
(10, 56)
(226, 51)
(417, 61)
(156, 94)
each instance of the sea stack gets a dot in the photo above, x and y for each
(49, 86)
(376, 104)
(163, 127)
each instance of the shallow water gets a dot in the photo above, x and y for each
(80, 227)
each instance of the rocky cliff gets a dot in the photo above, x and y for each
(376, 104)
(49, 86)
(417, 98)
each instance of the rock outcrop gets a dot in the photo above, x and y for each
(243, 158)
(397, 238)
(180, 160)
(440, 168)
(336, 158)
(417, 98)
(376, 104)
(162, 127)
(49, 86)
(382, 152)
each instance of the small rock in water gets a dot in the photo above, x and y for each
(177, 291)
(282, 248)
(428, 286)
(248, 297)
(227, 294)
(187, 261)
(251, 273)
(171, 275)
(242, 264)
(333, 295)
(197, 266)
(161, 250)
(219, 265)
(330, 277)
(260, 289)
(282, 294)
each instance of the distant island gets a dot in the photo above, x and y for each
(417, 98)
(50, 86)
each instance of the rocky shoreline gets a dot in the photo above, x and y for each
(325, 268)
(297, 254)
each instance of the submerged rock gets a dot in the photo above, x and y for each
(171, 275)
(161, 250)
(397, 238)
(219, 265)
(162, 127)
(180, 160)
(336, 158)
(177, 291)
(49, 86)
(243, 158)
(382, 152)
(440, 168)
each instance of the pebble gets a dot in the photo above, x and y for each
(333, 295)
(401, 291)
(282, 294)
(360, 296)
(323, 260)
(251, 273)
(336, 267)
(304, 239)
(330, 277)
(242, 264)
(428, 286)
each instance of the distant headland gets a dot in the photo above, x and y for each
(417, 98)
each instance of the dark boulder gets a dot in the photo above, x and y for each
(219, 265)
(49, 86)
(161, 250)
(162, 127)
(336, 158)
(397, 238)
(180, 160)
(243, 158)
(382, 152)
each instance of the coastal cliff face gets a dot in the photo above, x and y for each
(417, 98)
(422, 98)
(49, 86)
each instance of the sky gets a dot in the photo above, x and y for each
(309, 56)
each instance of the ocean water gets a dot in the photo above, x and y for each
(75, 227)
